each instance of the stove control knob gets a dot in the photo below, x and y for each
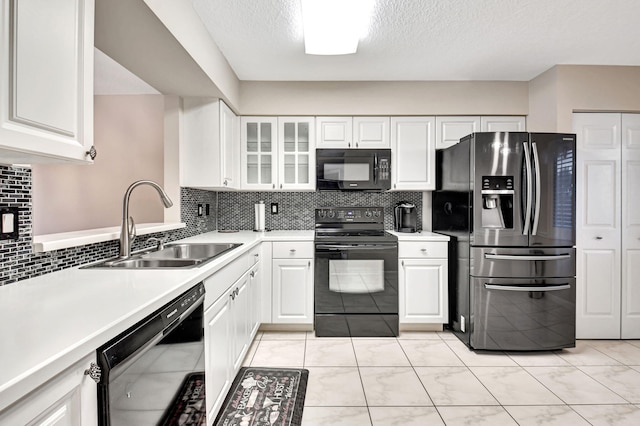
(368, 213)
(376, 213)
(322, 213)
(331, 213)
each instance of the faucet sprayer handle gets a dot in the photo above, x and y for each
(132, 230)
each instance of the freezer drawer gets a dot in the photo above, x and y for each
(523, 314)
(523, 262)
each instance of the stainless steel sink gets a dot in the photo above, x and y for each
(180, 255)
(190, 251)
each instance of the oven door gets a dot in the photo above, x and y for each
(523, 314)
(353, 169)
(356, 289)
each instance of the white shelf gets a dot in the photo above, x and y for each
(49, 242)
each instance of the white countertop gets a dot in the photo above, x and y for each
(50, 322)
(420, 236)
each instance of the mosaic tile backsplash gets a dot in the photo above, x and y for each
(228, 210)
(296, 210)
(17, 260)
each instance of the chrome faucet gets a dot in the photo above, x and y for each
(128, 230)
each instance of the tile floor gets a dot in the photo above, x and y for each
(428, 378)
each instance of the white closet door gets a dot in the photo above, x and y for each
(598, 225)
(630, 303)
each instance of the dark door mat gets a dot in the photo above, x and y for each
(265, 397)
(188, 407)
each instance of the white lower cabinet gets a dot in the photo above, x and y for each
(231, 322)
(69, 399)
(217, 353)
(423, 282)
(292, 269)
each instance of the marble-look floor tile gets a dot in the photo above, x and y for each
(405, 416)
(621, 351)
(480, 358)
(574, 386)
(608, 415)
(330, 353)
(279, 353)
(379, 353)
(585, 354)
(393, 386)
(553, 415)
(635, 342)
(335, 416)
(534, 359)
(334, 387)
(474, 416)
(425, 335)
(284, 335)
(430, 353)
(502, 381)
(447, 335)
(454, 386)
(624, 381)
(635, 367)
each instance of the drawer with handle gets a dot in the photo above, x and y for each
(293, 250)
(420, 249)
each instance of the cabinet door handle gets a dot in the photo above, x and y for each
(92, 153)
(403, 263)
(309, 264)
(253, 274)
(94, 372)
(348, 144)
(273, 186)
(225, 182)
(598, 238)
(357, 144)
(292, 250)
(280, 186)
(424, 250)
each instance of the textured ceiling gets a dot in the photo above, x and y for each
(430, 39)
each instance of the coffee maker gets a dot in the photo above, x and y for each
(405, 217)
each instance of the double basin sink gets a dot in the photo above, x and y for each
(179, 255)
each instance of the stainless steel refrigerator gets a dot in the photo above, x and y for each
(507, 199)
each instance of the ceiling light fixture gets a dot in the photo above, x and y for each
(334, 27)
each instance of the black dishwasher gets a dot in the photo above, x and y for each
(153, 373)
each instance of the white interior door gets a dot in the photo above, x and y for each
(630, 301)
(598, 200)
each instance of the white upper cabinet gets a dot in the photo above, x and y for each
(449, 130)
(503, 124)
(278, 153)
(413, 153)
(353, 132)
(209, 145)
(296, 153)
(46, 72)
(371, 132)
(259, 153)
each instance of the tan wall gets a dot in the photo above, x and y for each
(571, 88)
(128, 134)
(384, 98)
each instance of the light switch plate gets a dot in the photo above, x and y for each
(9, 223)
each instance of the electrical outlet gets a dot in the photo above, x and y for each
(274, 208)
(200, 210)
(462, 326)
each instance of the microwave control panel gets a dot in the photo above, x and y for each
(383, 171)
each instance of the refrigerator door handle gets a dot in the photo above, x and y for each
(536, 215)
(527, 216)
(528, 258)
(527, 288)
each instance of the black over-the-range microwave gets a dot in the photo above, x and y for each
(353, 169)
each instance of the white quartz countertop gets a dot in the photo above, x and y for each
(420, 236)
(50, 322)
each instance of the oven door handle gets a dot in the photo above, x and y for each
(354, 247)
(527, 288)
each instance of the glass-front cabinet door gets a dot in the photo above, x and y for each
(259, 153)
(296, 147)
